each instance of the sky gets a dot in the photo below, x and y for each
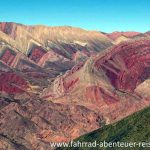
(101, 15)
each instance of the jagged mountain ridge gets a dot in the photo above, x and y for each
(51, 77)
(56, 37)
(29, 47)
(29, 62)
(108, 81)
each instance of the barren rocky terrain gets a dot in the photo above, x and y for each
(58, 83)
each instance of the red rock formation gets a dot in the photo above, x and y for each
(63, 40)
(108, 81)
(8, 56)
(12, 83)
(99, 95)
(127, 65)
(76, 68)
(70, 84)
(107, 87)
(52, 57)
(115, 35)
(36, 53)
(8, 28)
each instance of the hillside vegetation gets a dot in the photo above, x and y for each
(135, 128)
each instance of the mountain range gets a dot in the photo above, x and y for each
(58, 83)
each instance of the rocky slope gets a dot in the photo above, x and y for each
(56, 49)
(30, 59)
(62, 40)
(119, 37)
(135, 128)
(29, 124)
(113, 82)
(57, 83)
(115, 35)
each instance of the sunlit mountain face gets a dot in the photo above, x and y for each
(58, 83)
